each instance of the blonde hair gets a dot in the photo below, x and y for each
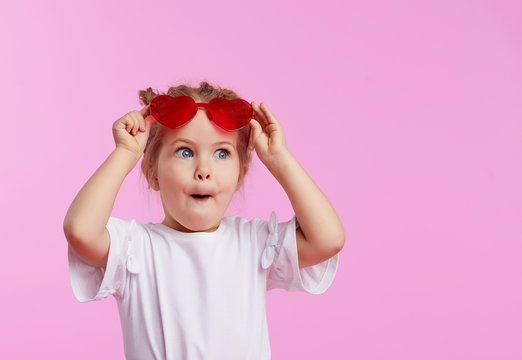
(204, 93)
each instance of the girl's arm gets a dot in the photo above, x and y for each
(85, 222)
(321, 234)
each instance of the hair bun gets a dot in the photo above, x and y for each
(146, 96)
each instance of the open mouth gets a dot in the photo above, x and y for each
(200, 196)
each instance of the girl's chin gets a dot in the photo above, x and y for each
(209, 224)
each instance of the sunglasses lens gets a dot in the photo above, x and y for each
(173, 112)
(230, 114)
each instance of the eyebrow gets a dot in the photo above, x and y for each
(193, 143)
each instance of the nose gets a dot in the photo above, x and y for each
(202, 171)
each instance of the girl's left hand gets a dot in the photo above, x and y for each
(267, 135)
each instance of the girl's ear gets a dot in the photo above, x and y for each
(154, 184)
(152, 177)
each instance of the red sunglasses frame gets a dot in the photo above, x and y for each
(176, 111)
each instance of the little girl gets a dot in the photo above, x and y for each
(194, 286)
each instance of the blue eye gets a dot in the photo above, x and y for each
(221, 154)
(184, 152)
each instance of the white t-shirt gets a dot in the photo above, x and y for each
(197, 295)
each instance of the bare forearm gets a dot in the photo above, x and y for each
(317, 218)
(90, 210)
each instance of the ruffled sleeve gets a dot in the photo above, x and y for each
(279, 257)
(94, 283)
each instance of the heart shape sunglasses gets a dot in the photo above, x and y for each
(176, 111)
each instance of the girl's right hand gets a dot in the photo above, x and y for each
(132, 131)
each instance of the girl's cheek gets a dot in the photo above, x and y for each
(227, 164)
(174, 169)
(176, 162)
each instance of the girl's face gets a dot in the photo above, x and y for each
(198, 173)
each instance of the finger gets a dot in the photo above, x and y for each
(256, 128)
(128, 124)
(143, 124)
(149, 120)
(260, 116)
(251, 137)
(138, 121)
(270, 117)
(139, 125)
(140, 117)
(135, 122)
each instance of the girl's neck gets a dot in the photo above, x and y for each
(177, 226)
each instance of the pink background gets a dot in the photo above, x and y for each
(407, 114)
